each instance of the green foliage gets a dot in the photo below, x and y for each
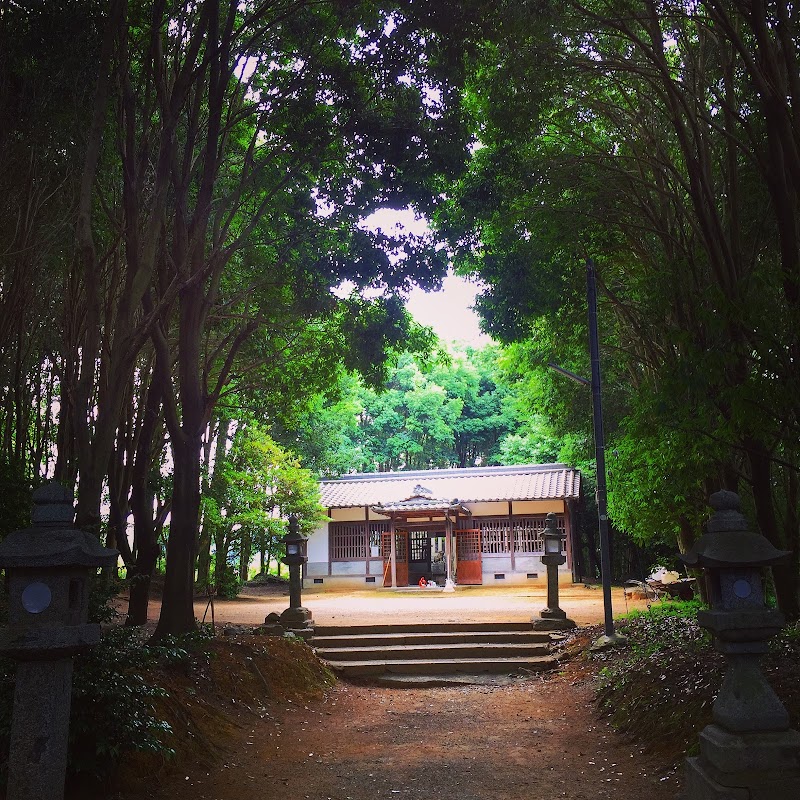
(664, 626)
(227, 582)
(661, 689)
(442, 410)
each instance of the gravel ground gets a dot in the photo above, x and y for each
(466, 604)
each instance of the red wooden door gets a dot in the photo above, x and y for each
(401, 557)
(469, 569)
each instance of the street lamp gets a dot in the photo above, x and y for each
(295, 618)
(609, 637)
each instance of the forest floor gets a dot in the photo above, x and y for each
(275, 730)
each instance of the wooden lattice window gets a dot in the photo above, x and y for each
(400, 540)
(529, 531)
(468, 545)
(351, 541)
(495, 535)
(348, 541)
(420, 546)
(376, 530)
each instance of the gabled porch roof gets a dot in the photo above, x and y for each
(421, 501)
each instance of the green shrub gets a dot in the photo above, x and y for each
(228, 583)
(112, 704)
(661, 688)
(665, 626)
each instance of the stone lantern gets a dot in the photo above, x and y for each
(48, 568)
(553, 618)
(749, 751)
(295, 618)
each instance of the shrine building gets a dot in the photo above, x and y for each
(480, 525)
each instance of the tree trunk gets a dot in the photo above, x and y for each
(785, 576)
(145, 535)
(186, 434)
(686, 538)
(177, 606)
(204, 546)
(244, 557)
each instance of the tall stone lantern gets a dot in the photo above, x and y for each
(749, 752)
(553, 618)
(296, 618)
(48, 567)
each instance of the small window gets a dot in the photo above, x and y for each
(499, 576)
(318, 580)
(371, 580)
(533, 575)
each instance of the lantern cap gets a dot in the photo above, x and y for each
(293, 534)
(729, 542)
(51, 541)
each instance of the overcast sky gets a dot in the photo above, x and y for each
(449, 312)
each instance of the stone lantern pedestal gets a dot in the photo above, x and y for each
(48, 567)
(749, 752)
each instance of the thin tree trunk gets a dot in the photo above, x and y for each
(785, 576)
(145, 535)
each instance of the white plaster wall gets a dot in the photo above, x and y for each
(529, 564)
(492, 564)
(341, 582)
(317, 545)
(347, 568)
(317, 568)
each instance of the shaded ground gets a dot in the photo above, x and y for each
(527, 739)
(508, 739)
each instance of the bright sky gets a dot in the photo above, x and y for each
(449, 312)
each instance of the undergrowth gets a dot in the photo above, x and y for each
(661, 688)
(114, 698)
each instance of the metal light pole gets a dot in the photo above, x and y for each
(609, 637)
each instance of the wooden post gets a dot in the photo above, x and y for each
(448, 547)
(393, 553)
(511, 537)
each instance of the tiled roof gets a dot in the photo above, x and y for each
(471, 485)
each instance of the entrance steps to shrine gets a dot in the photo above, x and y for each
(443, 649)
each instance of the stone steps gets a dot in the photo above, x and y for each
(451, 648)
(421, 627)
(435, 637)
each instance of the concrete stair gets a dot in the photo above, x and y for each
(446, 649)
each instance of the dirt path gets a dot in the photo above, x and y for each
(524, 740)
